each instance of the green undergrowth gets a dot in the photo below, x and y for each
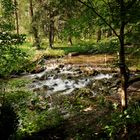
(133, 57)
(103, 46)
(108, 46)
(77, 116)
(30, 108)
(54, 53)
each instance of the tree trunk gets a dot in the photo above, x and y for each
(16, 16)
(123, 74)
(70, 40)
(99, 33)
(34, 28)
(122, 64)
(51, 31)
(36, 36)
(109, 33)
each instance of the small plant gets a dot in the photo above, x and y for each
(121, 122)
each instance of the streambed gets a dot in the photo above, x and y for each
(64, 78)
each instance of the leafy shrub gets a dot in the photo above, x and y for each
(12, 58)
(32, 111)
(80, 48)
(121, 123)
(11, 39)
(107, 46)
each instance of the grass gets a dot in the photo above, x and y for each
(133, 57)
(54, 53)
(85, 47)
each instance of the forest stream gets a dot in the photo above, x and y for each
(78, 87)
(65, 75)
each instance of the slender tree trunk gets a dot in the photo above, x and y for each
(34, 28)
(51, 31)
(70, 40)
(109, 33)
(123, 71)
(16, 16)
(99, 33)
(36, 36)
(31, 9)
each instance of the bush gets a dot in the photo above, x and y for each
(12, 58)
(122, 122)
(108, 46)
(7, 38)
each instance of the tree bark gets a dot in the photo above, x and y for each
(16, 16)
(109, 33)
(36, 36)
(122, 64)
(70, 40)
(98, 34)
(34, 28)
(51, 31)
(124, 77)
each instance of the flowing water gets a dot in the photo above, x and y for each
(64, 78)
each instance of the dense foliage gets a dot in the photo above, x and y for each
(12, 58)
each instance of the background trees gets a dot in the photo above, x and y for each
(7, 15)
(10, 54)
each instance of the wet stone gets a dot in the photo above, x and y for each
(61, 66)
(69, 77)
(55, 84)
(50, 88)
(66, 82)
(36, 89)
(43, 77)
(45, 87)
(58, 71)
(55, 77)
(32, 86)
(35, 80)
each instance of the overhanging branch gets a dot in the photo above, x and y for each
(133, 80)
(103, 19)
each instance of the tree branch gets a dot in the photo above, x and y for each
(133, 80)
(93, 9)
